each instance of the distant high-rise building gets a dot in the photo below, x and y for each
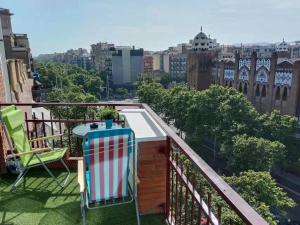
(100, 54)
(127, 65)
(178, 66)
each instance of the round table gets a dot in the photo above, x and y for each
(82, 129)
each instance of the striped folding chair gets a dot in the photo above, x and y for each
(107, 174)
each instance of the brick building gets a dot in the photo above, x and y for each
(268, 82)
(268, 75)
(148, 63)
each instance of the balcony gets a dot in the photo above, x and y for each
(185, 189)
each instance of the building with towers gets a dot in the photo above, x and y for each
(268, 75)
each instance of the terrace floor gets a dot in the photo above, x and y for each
(39, 201)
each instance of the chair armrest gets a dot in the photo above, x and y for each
(81, 175)
(46, 138)
(36, 150)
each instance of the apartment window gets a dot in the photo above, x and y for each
(284, 96)
(277, 95)
(264, 92)
(257, 93)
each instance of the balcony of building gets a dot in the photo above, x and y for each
(175, 185)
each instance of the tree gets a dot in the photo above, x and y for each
(251, 153)
(153, 94)
(262, 193)
(72, 94)
(123, 92)
(276, 126)
(59, 75)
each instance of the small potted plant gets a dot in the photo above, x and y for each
(108, 114)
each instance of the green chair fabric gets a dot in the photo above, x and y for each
(13, 119)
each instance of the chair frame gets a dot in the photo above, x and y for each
(23, 169)
(84, 205)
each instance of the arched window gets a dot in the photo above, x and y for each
(263, 92)
(240, 87)
(257, 93)
(277, 95)
(245, 88)
(284, 96)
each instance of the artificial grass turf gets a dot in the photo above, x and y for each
(39, 201)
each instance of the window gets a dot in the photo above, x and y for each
(230, 84)
(245, 88)
(284, 96)
(257, 93)
(277, 95)
(264, 92)
(240, 87)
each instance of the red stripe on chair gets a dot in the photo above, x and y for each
(120, 166)
(111, 167)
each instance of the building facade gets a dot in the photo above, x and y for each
(100, 54)
(178, 66)
(127, 66)
(268, 75)
(148, 64)
(268, 82)
(16, 45)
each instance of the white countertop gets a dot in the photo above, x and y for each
(143, 125)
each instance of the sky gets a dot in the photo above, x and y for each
(59, 25)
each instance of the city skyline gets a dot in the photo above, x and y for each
(54, 26)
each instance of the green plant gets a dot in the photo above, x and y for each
(108, 113)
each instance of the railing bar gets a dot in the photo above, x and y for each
(193, 200)
(220, 214)
(197, 196)
(172, 182)
(52, 129)
(27, 126)
(69, 138)
(180, 202)
(167, 155)
(199, 214)
(186, 198)
(176, 190)
(35, 130)
(209, 205)
(60, 131)
(44, 126)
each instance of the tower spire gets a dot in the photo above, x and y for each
(201, 28)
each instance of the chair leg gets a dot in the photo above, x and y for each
(67, 169)
(83, 209)
(62, 184)
(19, 178)
(137, 210)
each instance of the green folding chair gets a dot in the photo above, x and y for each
(12, 121)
